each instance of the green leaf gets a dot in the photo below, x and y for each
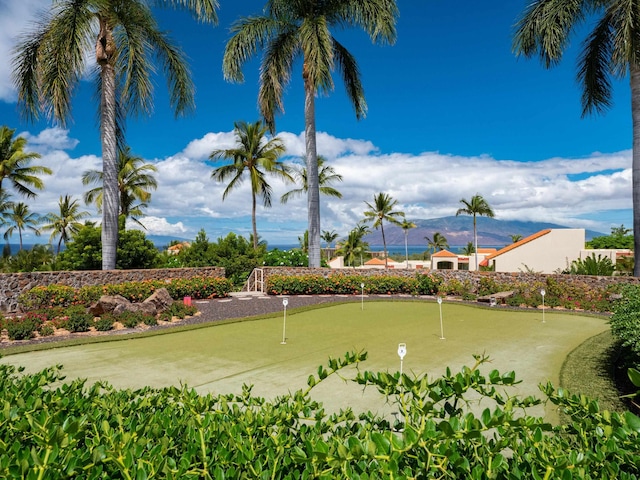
(634, 376)
(633, 421)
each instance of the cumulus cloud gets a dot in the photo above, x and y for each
(576, 192)
(50, 139)
(15, 17)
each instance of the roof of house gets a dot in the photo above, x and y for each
(444, 253)
(487, 250)
(515, 245)
(375, 261)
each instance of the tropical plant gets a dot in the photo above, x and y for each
(329, 237)
(619, 238)
(20, 218)
(39, 258)
(15, 164)
(516, 237)
(66, 223)
(406, 225)
(468, 249)
(476, 206)
(135, 180)
(326, 176)
(609, 51)
(304, 242)
(253, 156)
(437, 243)
(590, 265)
(292, 29)
(381, 209)
(354, 246)
(50, 61)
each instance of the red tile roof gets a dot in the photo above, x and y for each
(444, 253)
(517, 244)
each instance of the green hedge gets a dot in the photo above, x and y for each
(62, 295)
(340, 284)
(50, 430)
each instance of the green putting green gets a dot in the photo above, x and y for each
(221, 358)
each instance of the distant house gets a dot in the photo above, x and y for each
(547, 251)
(177, 248)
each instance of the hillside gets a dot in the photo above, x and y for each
(459, 231)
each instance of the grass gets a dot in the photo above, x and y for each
(221, 358)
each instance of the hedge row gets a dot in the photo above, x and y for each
(53, 431)
(570, 295)
(62, 295)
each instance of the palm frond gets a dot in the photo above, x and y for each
(351, 77)
(594, 68)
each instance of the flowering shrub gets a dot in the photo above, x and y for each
(20, 328)
(62, 295)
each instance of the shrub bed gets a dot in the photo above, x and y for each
(48, 430)
(64, 296)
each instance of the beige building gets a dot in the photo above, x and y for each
(546, 252)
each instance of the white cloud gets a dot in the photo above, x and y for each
(16, 16)
(50, 139)
(158, 226)
(574, 192)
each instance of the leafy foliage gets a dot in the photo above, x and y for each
(625, 321)
(286, 258)
(85, 251)
(591, 265)
(70, 430)
(178, 310)
(63, 295)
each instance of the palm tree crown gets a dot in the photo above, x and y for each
(135, 180)
(609, 51)
(438, 242)
(254, 156)
(380, 210)
(292, 29)
(14, 164)
(66, 222)
(329, 237)
(50, 61)
(476, 206)
(20, 218)
(326, 176)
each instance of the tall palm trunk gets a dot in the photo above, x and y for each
(384, 246)
(105, 50)
(313, 192)
(635, 164)
(406, 248)
(253, 221)
(475, 241)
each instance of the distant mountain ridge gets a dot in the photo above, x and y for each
(459, 231)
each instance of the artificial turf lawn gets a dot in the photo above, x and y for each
(221, 358)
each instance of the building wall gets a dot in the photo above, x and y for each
(13, 284)
(545, 254)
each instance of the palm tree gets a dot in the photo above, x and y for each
(353, 246)
(380, 210)
(438, 242)
(329, 237)
(50, 61)
(515, 237)
(326, 176)
(406, 225)
(292, 29)
(476, 206)
(135, 179)
(66, 223)
(14, 164)
(468, 249)
(20, 218)
(256, 156)
(610, 50)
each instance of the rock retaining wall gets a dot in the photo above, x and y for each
(461, 275)
(13, 284)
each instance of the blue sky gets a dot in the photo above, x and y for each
(452, 112)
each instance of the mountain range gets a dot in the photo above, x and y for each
(459, 231)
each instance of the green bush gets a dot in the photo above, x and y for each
(427, 284)
(625, 321)
(46, 330)
(60, 295)
(104, 323)
(133, 319)
(20, 328)
(78, 320)
(178, 310)
(51, 429)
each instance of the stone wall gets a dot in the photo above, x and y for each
(461, 275)
(13, 284)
